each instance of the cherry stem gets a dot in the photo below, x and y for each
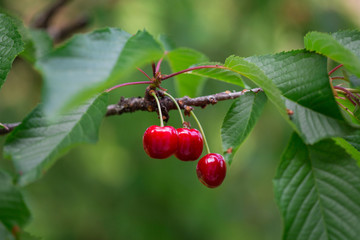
(127, 84)
(334, 69)
(144, 73)
(159, 107)
(201, 130)
(191, 69)
(177, 106)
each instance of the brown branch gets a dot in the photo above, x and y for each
(127, 105)
(61, 34)
(133, 104)
(42, 21)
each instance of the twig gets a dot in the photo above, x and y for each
(134, 104)
(127, 84)
(61, 34)
(128, 105)
(42, 21)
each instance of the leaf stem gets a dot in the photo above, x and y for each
(153, 68)
(353, 90)
(177, 106)
(159, 63)
(349, 95)
(144, 73)
(127, 84)
(339, 77)
(201, 130)
(159, 107)
(334, 69)
(191, 69)
(345, 108)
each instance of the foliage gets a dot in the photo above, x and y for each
(10, 45)
(317, 183)
(317, 188)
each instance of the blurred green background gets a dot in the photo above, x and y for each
(113, 190)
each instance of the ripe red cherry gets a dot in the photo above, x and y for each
(160, 142)
(190, 144)
(211, 170)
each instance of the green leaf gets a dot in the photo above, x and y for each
(13, 210)
(350, 149)
(342, 47)
(10, 45)
(27, 236)
(356, 112)
(90, 63)
(38, 44)
(354, 139)
(345, 103)
(302, 78)
(240, 120)
(5, 233)
(37, 143)
(222, 73)
(180, 59)
(317, 189)
(355, 81)
(254, 73)
(167, 43)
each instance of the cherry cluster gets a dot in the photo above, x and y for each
(187, 145)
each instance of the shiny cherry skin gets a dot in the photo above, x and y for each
(190, 144)
(160, 142)
(211, 170)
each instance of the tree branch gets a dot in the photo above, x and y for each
(42, 21)
(127, 105)
(61, 34)
(133, 104)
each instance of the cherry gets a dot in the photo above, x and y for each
(160, 142)
(211, 170)
(190, 144)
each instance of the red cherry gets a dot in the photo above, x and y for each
(160, 142)
(190, 144)
(211, 170)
